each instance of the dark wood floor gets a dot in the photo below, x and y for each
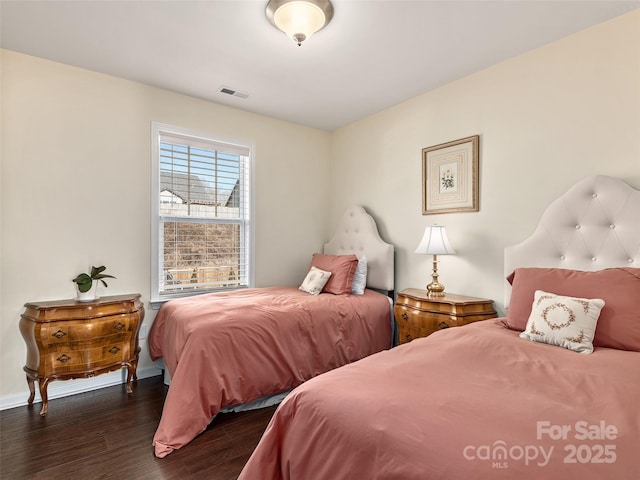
(107, 434)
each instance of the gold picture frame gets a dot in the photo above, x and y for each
(450, 176)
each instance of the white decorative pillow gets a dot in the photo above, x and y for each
(567, 322)
(315, 281)
(360, 277)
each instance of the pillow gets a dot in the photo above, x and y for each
(567, 322)
(619, 322)
(360, 277)
(342, 268)
(315, 281)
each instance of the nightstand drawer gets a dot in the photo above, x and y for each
(86, 330)
(414, 323)
(67, 361)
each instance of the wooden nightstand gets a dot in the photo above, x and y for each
(418, 315)
(70, 339)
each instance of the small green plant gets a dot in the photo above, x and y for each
(85, 280)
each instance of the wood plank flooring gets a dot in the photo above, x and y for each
(107, 434)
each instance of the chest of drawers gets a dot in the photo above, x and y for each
(69, 339)
(418, 314)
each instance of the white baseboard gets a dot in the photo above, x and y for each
(64, 388)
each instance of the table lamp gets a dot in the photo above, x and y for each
(435, 242)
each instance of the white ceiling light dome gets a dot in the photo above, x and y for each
(299, 19)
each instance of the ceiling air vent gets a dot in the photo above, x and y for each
(233, 93)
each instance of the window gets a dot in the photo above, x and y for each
(200, 207)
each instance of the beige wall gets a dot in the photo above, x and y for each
(76, 170)
(76, 162)
(546, 119)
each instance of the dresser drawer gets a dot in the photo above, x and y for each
(414, 323)
(58, 333)
(66, 360)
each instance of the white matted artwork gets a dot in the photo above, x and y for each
(450, 176)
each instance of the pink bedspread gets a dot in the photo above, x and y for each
(473, 402)
(231, 348)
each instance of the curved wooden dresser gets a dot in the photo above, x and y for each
(418, 314)
(71, 339)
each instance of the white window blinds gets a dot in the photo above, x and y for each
(202, 219)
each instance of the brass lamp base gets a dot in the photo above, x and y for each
(435, 288)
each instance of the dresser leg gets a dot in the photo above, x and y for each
(32, 390)
(44, 383)
(128, 384)
(131, 375)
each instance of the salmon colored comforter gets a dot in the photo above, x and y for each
(474, 402)
(231, 348)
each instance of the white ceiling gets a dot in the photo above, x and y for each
(374, 54)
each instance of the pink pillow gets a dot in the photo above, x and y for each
(342, 268)
(619, 322)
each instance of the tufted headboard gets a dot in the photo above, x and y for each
(357, 233)
(595, 225)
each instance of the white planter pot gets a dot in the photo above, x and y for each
(88, 296)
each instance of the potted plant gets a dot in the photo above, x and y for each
(87, 283)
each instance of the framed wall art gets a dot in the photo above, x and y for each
(450, 176)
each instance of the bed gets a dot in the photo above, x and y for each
(517, 397)
(247, 348)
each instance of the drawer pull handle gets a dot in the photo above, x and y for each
(443, 325)
(119, 326)
(58, 334)
(64, 358)
(405, 316)
(114, 350)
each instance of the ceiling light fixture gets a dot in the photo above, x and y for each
(299, 19)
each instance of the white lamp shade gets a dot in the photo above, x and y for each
(299, 17)
(435, 242)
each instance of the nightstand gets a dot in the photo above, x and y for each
(71, 339)
(418, 314)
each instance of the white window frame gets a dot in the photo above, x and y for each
(157, 130)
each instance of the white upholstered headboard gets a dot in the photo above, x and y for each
(357, 233)
(595, 225)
